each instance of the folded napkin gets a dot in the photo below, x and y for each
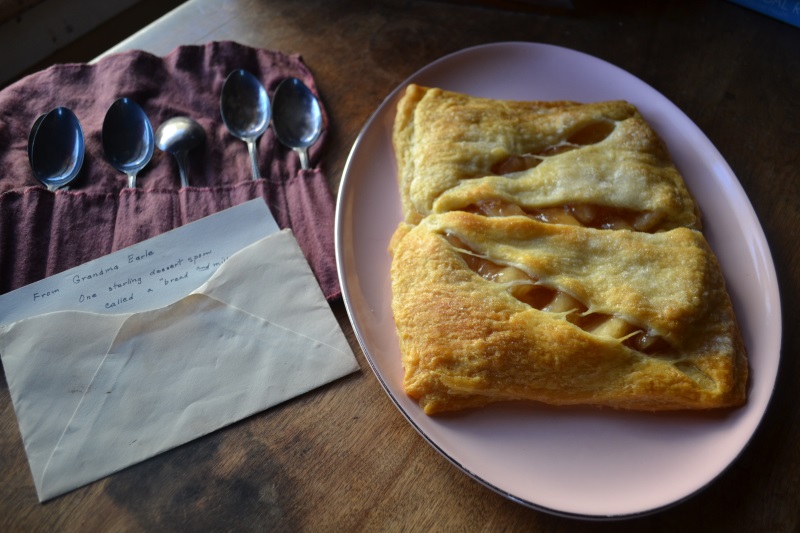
(95, 393)
(43, 233)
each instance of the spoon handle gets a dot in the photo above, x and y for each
(251, 148)
(303, 153)
(132, 180)
(181, 157)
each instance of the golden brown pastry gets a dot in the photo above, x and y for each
(511, 308)
(456, 152)
(551, 252)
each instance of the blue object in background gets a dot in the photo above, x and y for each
(785, 10)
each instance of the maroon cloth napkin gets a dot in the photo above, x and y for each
(43, 233)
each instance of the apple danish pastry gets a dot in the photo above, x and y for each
(551, 252)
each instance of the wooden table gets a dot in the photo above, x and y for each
(342, 457)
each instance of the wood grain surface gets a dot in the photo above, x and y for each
(343, 458)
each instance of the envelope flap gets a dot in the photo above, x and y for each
(280, 275)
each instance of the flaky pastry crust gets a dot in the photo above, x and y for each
(467, 340)
(453, 150)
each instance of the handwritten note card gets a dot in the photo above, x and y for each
(148, 275)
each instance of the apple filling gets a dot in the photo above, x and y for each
(526, 289)
(586, 215)
(592, 133)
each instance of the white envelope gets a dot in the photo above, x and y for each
(95, 393)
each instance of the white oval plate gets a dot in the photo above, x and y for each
(576, 462)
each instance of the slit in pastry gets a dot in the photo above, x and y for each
(584, 215)
(525, 288)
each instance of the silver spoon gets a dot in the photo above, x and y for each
(128, 139)
(245, 110)
(57, 148)
(177, 136)
(298, 117)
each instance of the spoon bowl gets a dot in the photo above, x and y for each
(56, 148)
(178, 136)
(298, 117)
(128, 140)
(245, 108)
